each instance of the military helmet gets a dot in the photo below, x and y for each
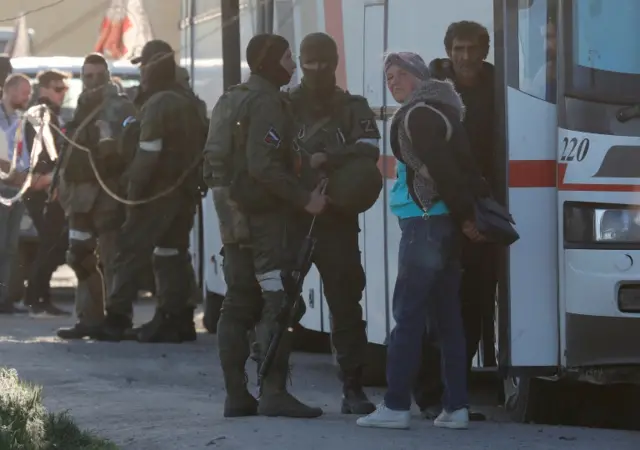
(355, 186)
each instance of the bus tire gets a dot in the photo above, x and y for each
(212, 305)
(526, 399)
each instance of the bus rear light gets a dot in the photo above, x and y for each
(629, 298)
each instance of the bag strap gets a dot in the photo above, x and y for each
(315, 128)
(436, 110)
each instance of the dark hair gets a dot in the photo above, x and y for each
(97, 59)
(15, 79)
(46, 77)
(467, 29)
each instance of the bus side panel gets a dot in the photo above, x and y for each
(533, 308)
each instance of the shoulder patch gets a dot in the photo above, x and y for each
(368, 125)
(272, 138)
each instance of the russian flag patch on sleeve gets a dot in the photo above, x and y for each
(272, 138)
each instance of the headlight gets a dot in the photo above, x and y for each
(604, 224)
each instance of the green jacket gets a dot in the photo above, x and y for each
(249, 143)
(169, 126)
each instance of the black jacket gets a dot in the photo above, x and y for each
(480, 113)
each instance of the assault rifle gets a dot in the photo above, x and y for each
(292, 281)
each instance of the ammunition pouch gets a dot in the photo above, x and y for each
(234, 227)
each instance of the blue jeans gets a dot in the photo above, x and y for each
(10, 218)
(427, 289)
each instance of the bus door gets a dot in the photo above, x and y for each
(528, 305)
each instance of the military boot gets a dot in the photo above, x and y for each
(186, 326)
(275, 400)
(173, 278)
(163, 328)
(79, 331)
(233, 350)
(238, 402)
(354, 400)
(115, 328)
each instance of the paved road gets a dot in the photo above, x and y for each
(169, 397)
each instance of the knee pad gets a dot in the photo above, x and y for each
(82, 260)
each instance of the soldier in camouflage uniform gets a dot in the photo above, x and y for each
(94, 217)
(249, 164)
(170, 142)
(337, 132)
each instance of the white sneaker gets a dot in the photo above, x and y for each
(456, 420)
(384, 417)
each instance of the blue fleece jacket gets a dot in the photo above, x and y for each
(401, 203)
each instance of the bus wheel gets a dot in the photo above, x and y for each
(212, 305)
(525, 399)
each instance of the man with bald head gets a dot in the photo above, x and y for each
(15, 97)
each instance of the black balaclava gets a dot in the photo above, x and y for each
(264, 53)
(319, 48)
(159, 73)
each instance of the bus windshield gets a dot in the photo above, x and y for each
(603, 47)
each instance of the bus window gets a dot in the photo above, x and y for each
(537, 42)
(603, 48)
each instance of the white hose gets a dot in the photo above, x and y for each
(42, 141)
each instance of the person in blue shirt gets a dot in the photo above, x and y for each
(402, 205)
(15, 97)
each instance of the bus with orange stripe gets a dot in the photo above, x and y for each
(567, 89)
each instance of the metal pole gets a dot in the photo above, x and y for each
(192, 43)
(231, 73)
(269, 7)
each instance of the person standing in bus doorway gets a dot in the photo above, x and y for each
(443, 180)
(48, 218)
(251, 128)
(94, 216)
(337, 131)
(467, 45)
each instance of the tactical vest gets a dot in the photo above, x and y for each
(318, 134)
(355, 185)
(77, 167)
(230, 127)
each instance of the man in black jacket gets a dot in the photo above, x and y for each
(49, 219)
(467, 45)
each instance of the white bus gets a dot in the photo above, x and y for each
(568, 303)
